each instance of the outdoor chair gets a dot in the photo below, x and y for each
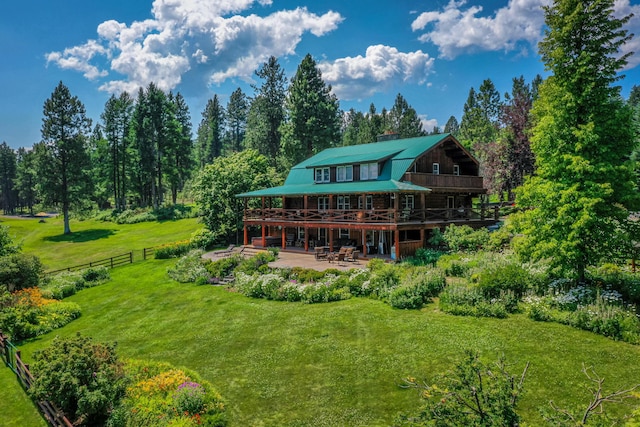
(321, 253)
(353, 257)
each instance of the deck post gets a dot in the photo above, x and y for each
(283, 235)
(397, 243)
(363, 235)
(246, 235)
(264, 235)
(306, 232)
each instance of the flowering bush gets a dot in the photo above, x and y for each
(161, 395)
(27, 313)
(468, 300)
(190, 268)
(588, 308)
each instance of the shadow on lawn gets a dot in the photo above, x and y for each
(81, 236)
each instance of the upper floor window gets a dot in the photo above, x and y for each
(436, 168)
(344, 202)
(344, 173)
(322, 175)
(368, 171)
(456, 169)
(343, 233)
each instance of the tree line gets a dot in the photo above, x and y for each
(142, 151)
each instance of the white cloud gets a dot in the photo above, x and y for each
(210, 37)
(381, 67)
(518, 27)
(457, 29)
(428, 124)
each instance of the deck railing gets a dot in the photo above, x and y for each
(371, 216)
(444, 181)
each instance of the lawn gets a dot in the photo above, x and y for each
(336, 364)
(92, 240)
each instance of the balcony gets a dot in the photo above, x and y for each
(462, 182)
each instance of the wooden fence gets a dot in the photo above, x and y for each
(114, 261)
(11, 357)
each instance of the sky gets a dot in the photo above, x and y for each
(432, 52)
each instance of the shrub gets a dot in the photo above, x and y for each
(425, 256)
(161, 394)
(472, 394)
(465, 238)
(499, 278)
(254, 263)
(453, 265)
(189, 269)
(383, 280)
(173, 250)
(84, 378)
(20, 271)
(202, 239)
(95, 275)
(468, 300)
(305, 275)
(417, 288)
(223, 266)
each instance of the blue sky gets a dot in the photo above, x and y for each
(432, 52)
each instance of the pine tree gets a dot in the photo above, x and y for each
(61, 156)
(452, 126)
(583, 136)
(404, 119)
(8, 166)
(236, 120)
(313, 114)
(210, 132)
(26, 179)
(266, 112)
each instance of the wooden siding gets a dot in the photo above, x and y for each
(445, 182)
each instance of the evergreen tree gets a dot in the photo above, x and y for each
(61, 156)
(313, 114)
(452, 126)
(584, 185)
(479, 122)
(8, 170)
(182, 153)
(236, 118)
(353, 122)
(26, 179)
(116, 120)
(371, 127)
(100, 171)
(404, 120)
(210, 132)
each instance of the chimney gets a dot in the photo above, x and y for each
(388, 136)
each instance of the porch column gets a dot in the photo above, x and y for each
(246, 235)
(284, 206)
(330, 231)
(283, 234)
(306, 232)
(422, 233)
(397, 244)
(264, 235)
(423, 201)
(305, 199)
(363, 235)
(396, 206)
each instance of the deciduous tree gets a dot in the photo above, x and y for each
(578, 202)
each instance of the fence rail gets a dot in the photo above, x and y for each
(114, 261)
(11, 357)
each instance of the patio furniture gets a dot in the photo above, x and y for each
(353, 257)
(321, 252)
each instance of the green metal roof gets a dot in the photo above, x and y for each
(357, 187)
(396, 157)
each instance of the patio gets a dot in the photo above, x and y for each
(289, 259)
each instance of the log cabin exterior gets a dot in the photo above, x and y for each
(383, 197)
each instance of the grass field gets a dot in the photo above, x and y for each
(92, 240)
(336, 364)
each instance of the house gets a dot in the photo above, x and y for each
(384, 197)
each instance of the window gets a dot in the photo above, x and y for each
(322, 175)
(344, 173)
(343, 233)
(369, 203)
(408, 202)
(300, 233)
(323, 203)
(368, 171)
(456, 169)
(344, 202)
(436, 168)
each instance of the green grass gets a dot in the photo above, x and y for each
(16, 409)
(336, 364)
(92, 240)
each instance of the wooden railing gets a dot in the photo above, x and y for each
(11, 357)
(111, 262)
(409, 247)
(444, 181)
(371, 216)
